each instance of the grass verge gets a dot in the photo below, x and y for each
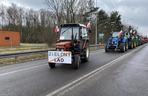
(20, 59)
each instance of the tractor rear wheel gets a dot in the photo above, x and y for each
(106, 49)
(123, 47)
(126, 46)
(87, 53)
(132, 45)
(76, 61)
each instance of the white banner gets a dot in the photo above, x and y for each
(60, 57)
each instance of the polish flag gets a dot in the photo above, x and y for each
(88, 25)
(120, 33)
(56, 29)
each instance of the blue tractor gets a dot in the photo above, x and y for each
(117, 41)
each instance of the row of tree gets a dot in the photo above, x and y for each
(109, 23)
(36, 26)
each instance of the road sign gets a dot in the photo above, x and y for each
(62, 57)
(101, 35)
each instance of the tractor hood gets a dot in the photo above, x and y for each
(64, 44)
(113, 40)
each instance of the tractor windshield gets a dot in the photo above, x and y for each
(67, 33)
(115, 34)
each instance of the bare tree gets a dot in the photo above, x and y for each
(2, 15)
(13, 17)
(55, 6)
(68, 11)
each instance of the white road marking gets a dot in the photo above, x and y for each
(82, 79)
(25, 69)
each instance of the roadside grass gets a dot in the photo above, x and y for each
(24, 47)
(20, 59)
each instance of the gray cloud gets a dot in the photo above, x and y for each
(134, 12)
(34, 4)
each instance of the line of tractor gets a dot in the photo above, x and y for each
(73, 39)
(122, 41)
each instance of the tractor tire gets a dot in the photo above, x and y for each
(76, 61)
(51, 65)
(132, 45)
(87, 53)
(129, 47)
(123, 47)
(126, 46)
(106, 49)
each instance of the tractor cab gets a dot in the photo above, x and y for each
(115, 34)
(73, 31)
(70, 35)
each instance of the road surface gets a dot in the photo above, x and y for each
(35, 78)
(127, 77)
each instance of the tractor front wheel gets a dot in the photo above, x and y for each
(51, 65)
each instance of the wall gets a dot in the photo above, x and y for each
(9, 38)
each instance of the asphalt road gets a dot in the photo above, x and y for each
(35, 78)
(127, 77)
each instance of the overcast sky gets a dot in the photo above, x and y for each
(134, 12)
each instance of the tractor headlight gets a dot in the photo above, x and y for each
(60, 49)
(115, 42)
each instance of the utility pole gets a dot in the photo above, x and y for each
(96, 33)
(96, 38)
(2, 16)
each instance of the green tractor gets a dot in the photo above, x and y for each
(132, 38)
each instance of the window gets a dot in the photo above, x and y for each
(7, 38)
(66, 33)
(115, 34)
(84, 33)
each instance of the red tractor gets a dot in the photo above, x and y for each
(72, 46)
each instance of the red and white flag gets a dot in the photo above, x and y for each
(88, 25)
(56, 29)
(120, 33)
